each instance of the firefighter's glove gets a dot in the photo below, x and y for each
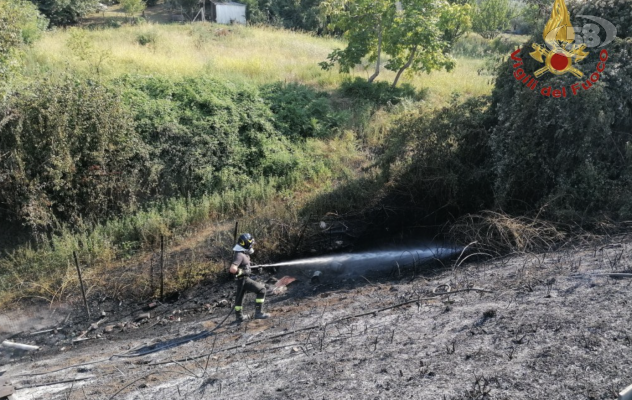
(242, 272)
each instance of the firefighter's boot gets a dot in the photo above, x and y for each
(259, 314)
(239, 316)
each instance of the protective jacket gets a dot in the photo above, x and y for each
(242, 261)
(245, 284)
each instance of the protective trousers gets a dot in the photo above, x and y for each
(245, 285)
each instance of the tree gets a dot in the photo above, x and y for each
(188, 8)
(65, 12)
(364, 24)
(491, 17)
(455, 21)
(20, 25)
(410, 32)
(416, 41)
(83, 48)
(132, 7)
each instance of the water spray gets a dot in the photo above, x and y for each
(370, 259)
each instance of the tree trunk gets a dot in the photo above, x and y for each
(379, 54)
(408, 63)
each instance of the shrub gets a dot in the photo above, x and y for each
(147, 38)
(205, 135)
(20, 25)
(378, 93)
(113, 23)
(72, 154)
(570, 155)
(439, 165)
(66, 12)
(475, 46)
(300, 111)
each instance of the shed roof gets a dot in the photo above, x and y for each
(228, 3)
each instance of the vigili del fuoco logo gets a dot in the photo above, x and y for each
(565, 46)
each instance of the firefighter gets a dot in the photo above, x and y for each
(240, 268)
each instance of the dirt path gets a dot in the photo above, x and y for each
(547, 326)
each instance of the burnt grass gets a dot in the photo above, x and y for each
(532, 326)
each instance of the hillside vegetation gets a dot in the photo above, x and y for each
(120, 135)
(565, 160)
(116, 136)
(251, 55)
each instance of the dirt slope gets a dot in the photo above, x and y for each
(547, 326)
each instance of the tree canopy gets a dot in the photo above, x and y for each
(65, 12)
(492, 16)
(20, 25)
(414, 34)
(132, 7)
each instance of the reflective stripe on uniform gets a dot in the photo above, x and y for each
(238, 308)
(259, 300)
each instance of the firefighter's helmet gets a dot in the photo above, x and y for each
(246, 241)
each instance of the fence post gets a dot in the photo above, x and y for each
(162, 264)
(83, 291)
(151, 274)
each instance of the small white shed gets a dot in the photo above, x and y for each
(228, 12)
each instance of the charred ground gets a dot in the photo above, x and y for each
(552, 325)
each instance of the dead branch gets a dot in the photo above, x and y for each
(131, 383)
(610, 275)
(54, 383)
(62, 369)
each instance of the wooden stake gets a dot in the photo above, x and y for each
(162, 263)
(235, 233)
(83, 291)
(151, 274)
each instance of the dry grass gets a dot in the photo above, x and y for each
(255, 55)
(236, 53)
(499, 233)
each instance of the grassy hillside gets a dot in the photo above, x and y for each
(256, 55)
(188, 97)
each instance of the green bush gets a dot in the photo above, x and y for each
(566, 159)
(113, 23)
(300, 111)
(147, 38)
(569, 155)
(81, 152)
(20, 25)
(72, 154)
(475, 46)
(198, 129)
(440, 164)
(66, 12)
(378, 93)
